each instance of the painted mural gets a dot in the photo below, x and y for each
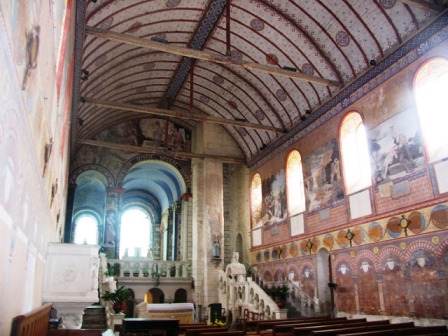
(322, 177)
(274, 199)
(149, 132)
(396, 148)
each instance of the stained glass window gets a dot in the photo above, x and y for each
(431, 83)
(294, 183)
(86, 230)
(256, 199)
(355, 153)
(134, 233)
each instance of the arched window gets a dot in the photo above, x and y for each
(256, 199)
(86, 229)
(430, 86)
(135, 233)
(294, 183)
(355, 153)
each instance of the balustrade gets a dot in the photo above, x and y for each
(142, 267)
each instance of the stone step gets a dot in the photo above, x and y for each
(94, 318)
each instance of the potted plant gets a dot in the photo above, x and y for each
(118, 298)
(156, 277)
(281, 295)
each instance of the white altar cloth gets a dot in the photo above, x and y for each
(184, 312)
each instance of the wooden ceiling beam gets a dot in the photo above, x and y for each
(179, 115)
(160, 150)
(206, 56)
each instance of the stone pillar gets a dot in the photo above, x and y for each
(208, 223)
(110, 235)
(69, 212)
(169, 235)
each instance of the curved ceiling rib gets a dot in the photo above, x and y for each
(272, 63)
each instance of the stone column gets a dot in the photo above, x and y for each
(208, 222)
(111, 234)
(69, 212)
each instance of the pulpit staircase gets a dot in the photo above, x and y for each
(94, 317)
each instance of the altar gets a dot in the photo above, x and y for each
(184, 312)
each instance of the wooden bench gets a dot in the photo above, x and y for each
(311, 330)
(36, 322)
(206, 329)
(224, 333)
(252, 325)
(286, 329)
(266, 325)
(367, 327)
(185, 326)
(426, 330)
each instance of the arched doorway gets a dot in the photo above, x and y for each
(180, 296)
(323, 279)
(157, 295)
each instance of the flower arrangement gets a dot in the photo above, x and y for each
(220, 323)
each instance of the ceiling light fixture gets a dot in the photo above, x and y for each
(372, 62)
(308, 111)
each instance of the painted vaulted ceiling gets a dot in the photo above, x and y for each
(262, 69)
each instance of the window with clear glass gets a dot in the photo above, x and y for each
(294, 183)
(86, 230)
(135, 233)
(256, 199)
(355, 153)
(430, 84)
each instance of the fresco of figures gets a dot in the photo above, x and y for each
(322, 177)
(274, 198)
(396, 148)
(149, 132)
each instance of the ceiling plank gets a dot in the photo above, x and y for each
(206, 56)
(160, 150)
(178, 114)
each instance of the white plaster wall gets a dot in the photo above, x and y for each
(29, 216)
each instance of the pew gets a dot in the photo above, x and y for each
(253, 325)
(308, 330)
(36, 323)
(426, 330)
(185, 326)
(205, 329)
(266, 325)
(367, 327)
(286, 329)
(224, 333)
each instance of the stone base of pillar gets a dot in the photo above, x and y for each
(71, 313)
(282, 314)
(117, 320)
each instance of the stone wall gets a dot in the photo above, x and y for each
(384, 270)
(34, 116)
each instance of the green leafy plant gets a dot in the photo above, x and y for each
(249, 270)
(118, 297)
(282, 293)
(111, 270)
(156, 277)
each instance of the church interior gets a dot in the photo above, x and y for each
(218, 151)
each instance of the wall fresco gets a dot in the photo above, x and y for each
(322, 177)
(396, 147)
